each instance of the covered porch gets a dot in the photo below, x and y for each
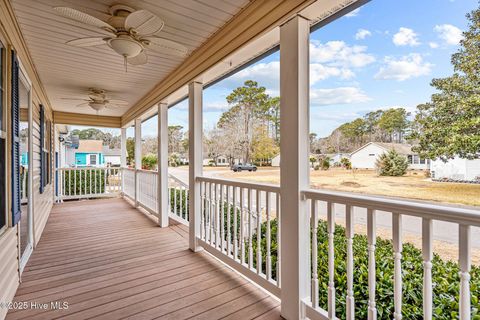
(108, 260)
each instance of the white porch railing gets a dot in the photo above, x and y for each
(88, 182)
(236, 217)
(147, 196)
(329, 204)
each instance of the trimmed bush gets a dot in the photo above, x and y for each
(78, 182)
(180, 195)
(445, 277)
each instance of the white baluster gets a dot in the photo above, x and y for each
(372, 309)
(229, 223)
(242, 226)
(217, 216)
(212, 212)
(259, 231)
(105, 173)
(427, 267)
(331, 260)
(269, 237)
(349, 233)
(75, 181)
(397, 249)
(222, 218)
(314, 225)
(465, 265)
(279, 239)
(235, 225)
(250, 230)
(202, 210)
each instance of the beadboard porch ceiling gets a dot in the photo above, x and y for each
(68, 72)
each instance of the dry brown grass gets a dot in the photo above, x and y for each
(414, 185)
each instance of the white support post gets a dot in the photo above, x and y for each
(123, 156)
(195, 137)
(294, 176)
(138, 155)
(162, 156)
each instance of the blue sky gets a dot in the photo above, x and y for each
(383, 55)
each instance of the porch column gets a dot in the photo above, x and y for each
(123, 154)
(162, 161)
(195, 160)
(294, 173)
(123, 148)
(138, 155)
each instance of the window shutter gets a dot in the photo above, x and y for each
(42, 145)
(16, 206)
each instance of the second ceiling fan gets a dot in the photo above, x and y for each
(131, 33)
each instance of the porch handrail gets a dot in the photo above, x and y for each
(443, 212)
(328, 201)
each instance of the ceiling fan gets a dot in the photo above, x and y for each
(130, 33)
(97, 100)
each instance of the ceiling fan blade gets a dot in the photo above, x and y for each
(84, 18)
(139, 59)
(143, 22)
(112, 106)
(118, 102)
(87, 42)
(85, 104)
(165, 46)
(74, 99)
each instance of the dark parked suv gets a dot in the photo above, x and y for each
(239, 167)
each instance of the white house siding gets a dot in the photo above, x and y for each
(276, 161)
(113, 160)
(457, 168)
(366, 157)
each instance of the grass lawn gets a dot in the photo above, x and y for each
(413, 185)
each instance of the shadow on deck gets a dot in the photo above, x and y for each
(107, 260)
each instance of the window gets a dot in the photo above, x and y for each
(93, 159)
(45, 153)
(3, 180)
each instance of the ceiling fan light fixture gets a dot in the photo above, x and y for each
(126, 47)
(96, 105)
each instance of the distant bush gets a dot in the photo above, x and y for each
(346, 163)
(325, 163)
(149, 161)
(391, 164)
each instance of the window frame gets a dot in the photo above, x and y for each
(4, 209)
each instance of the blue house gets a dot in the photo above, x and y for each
(89, 153)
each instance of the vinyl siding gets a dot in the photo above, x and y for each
(9, 277)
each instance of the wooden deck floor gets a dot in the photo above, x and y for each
(107, 260)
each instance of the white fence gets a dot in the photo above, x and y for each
(88, 182)
(236, 218)
(327, 204)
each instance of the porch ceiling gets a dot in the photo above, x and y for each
(68, 72)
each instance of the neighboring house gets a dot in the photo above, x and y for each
(276, 161)
(89, 153)
(456, 168)
(366, 156)
(222, 161)
(112, 157)
(337, 157)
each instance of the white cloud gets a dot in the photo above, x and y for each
(410, 66)
(340, 95)
(433, 45)
(267, 74)
(362, 34)
(353, 13)
(451, 35)
(320, 72)
(405, 37)
(339, 54)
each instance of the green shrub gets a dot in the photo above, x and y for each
(346, 163)
(325, 163)
(445, 277)
(77, 182)
(181, 196)
(149, 161)
(391, 164)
